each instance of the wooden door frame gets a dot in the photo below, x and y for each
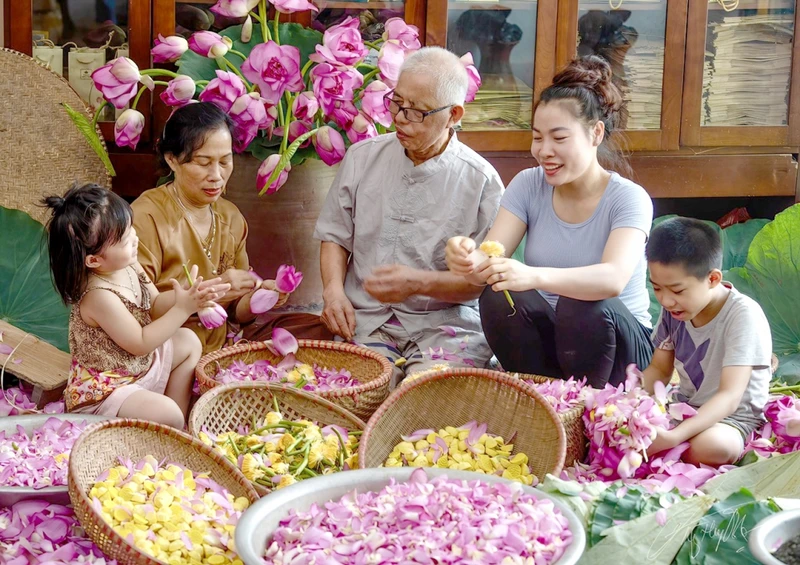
(692, 132)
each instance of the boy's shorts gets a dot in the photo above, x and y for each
(743, 429)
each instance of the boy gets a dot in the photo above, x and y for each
(717, 338)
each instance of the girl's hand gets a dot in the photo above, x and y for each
(507, 274)
(665, 439)
(190, 299)
(461, 255)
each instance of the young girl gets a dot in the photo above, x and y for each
(581, 300)
(131, 358)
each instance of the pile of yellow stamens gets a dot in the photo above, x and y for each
(467, 448)
(169, 513)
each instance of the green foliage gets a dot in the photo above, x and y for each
(28, 299)
(85, 126)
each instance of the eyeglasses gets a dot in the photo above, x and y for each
(411, 114)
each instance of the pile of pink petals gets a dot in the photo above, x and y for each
(426, 522)
(40, 460)
(621, 424)
(781, 433)
(35, 531)
(562, 394)
(16, 401)
(264, 371)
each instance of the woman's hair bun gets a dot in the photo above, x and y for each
(593, 73)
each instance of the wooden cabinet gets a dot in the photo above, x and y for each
(713, 86)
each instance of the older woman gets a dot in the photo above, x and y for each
(186, 221)
(395, 202)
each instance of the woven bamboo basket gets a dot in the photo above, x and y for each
(574, 427)
(372, 370)
(98, 449)
(228, 407)
(456, 396)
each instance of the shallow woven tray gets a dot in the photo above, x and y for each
(99, 447)
(43, 151)
(573, 425)
(456, 396)
(372, 369)
(228, 407)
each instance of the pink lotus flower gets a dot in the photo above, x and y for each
(263, 300)
(407, 36)
(305, 106)
(361, 128)
(212, 316)
(341, 44)
(118, 81)
(233, 8)
(473, 75)
(209, 44)
(275, 69)
(223, 90)
(784, 414)
(333, 83)
(128, 128)
(372, 104)
(292, 6)
(169, 49)
(179, 92)
(283, 342)
(343, 113)
(249, 113)
(390, 59)
(329, 145)
(288, 279)
(265, 171)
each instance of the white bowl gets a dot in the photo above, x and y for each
(58, 495)
(258, 522)
(771, 532)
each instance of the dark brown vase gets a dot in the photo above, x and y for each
(281, 225)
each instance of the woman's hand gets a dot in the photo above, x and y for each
(269, 284)
(507, 274)
(241, 282)
(665, 440)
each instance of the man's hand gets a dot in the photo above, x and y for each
(241, 282)
(338, 314)
(392, 283)
(269, 284)
(665, 440)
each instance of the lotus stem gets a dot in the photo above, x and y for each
(262, 9)
(188, 275)
(97, 113)
(276, 35)
(510, 303)
(138, 95)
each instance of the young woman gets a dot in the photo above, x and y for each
(580, 295)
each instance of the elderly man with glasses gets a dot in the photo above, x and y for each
(395, 202)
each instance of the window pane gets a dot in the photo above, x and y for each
(632, 41)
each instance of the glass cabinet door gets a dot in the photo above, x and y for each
(741, 58)
(74, 38)
(632, 38)
(502, 39)
(371, 15)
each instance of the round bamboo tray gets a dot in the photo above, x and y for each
(573, 424)
(229, 407)
(456, 396)
(372, 370)
(99, 447)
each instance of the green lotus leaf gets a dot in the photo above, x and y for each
(28, 299)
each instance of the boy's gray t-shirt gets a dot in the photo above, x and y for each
(552, 242)
(738, 335)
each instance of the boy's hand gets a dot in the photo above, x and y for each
(665, 440)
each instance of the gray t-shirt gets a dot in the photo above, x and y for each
(552, 242)
(737, 336)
